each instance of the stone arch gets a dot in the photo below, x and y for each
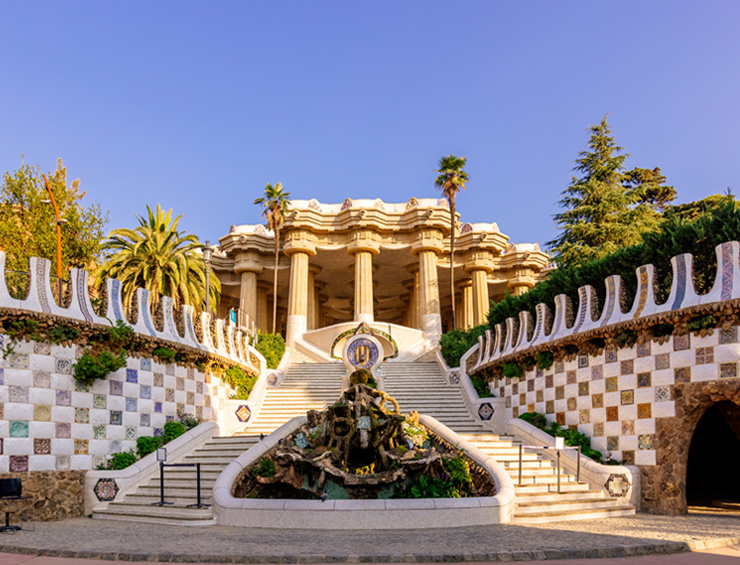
(664, 485)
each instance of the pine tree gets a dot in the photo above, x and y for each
(607, 208)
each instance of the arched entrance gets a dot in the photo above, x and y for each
(714, 458)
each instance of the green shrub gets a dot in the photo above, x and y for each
(545, 359)
(480, 386)
(188, 420)
(146, 445)
(173, 430)
(702, 323)
(535, 418)
(92, 366)
(626, 338)
(265, 468)
(120, 335)
(272, 347)
(454, 344)
(58, 334)
(240, 381)
(121, 460)
(165, 354)
(512, 370)
(662, 330)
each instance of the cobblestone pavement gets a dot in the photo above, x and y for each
(132, 541)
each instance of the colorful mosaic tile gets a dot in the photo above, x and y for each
(42, 347)
(508, 402)
(41, 446)
(530, 385)
(18, 361)
(597, 400)
(18, 464)
(158, 379)
(582, 361)
(645, 441)
(191, 398)
(522, 399)
(131, 404)
(628, 457)
(180, 383)
(132, 376)
(42, 413)
(682, 374)
(612, 413)
(199, 387)
(644, 410)
(82, 415)
(207, 401)
(145, 420)
(662, 393)
(169, 395)
(116, 418)
(99, 401)
(191, 373)
(644, 349)
(704, 355)
(627, 367)
(485, 411)
(63, 430)
(157, 432)
(559, 366)
(63, 366)
(728, 370)
(170, 370)
(612, 443)
(570, 377)
(599, 429)
(628, 427)
(2, 372)
(145, 392)
(116, 388)
(199, 412)
(549, 381)
(42, 379)
(611, 384)
(549, 407)
(158, 407)
(454, 378)
(17, 393)
(82, 446)
(583, 388)
(663, 361)
(597, 372)
(131, 432)
(99, 432)
(644, 380)
(628, 397)
(681, 342)
(63, 463)
(81, 386)
(728, 336)
(560, 418)
(146, 364)
(515, 389)
(610, 355)
(18, 428)
(584, 416)
(106, 490)
(572, 403)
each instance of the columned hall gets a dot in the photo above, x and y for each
(373, 262)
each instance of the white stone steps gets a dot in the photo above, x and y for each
(158, 515)
(591, 513)
(558, 497)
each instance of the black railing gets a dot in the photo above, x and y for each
(162, 501)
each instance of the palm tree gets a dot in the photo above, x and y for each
(161, 259)
(275, 204)
(452, 177)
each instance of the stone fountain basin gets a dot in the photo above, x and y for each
(362, 514)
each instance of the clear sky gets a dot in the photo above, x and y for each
(196, 105)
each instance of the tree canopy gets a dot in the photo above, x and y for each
(607, 208)
(159, 257)
(27, 222)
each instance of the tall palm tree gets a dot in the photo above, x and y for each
(158, 257)
(452, 177)
(275, 204)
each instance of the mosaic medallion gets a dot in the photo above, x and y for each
(362, 353)
(485, 411)
(617, 485)
(106, 490)
(454, 377)
(243, 413)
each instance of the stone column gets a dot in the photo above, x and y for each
(248, 298)
(262, 322)
(481, 302)
(311, 289)
(299, 252)
(363, 251)
(431, 320)
(466, 310)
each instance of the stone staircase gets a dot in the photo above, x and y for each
(537, 496)
(306, 386)
(422, 386)
(180, 487)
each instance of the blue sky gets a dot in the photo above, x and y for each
(196, 105)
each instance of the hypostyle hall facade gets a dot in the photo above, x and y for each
(374, 262)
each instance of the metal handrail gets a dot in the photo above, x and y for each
(162, 502)
(559, 450)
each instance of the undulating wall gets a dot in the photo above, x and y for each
(640, 403)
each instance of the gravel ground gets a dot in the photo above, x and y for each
(131, 541)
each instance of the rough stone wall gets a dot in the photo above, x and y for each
(55, 495)
(664, 484)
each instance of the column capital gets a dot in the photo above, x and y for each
(363, 245)
(478, 260)
(248, 261)
(429, 240)
(299, 246)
